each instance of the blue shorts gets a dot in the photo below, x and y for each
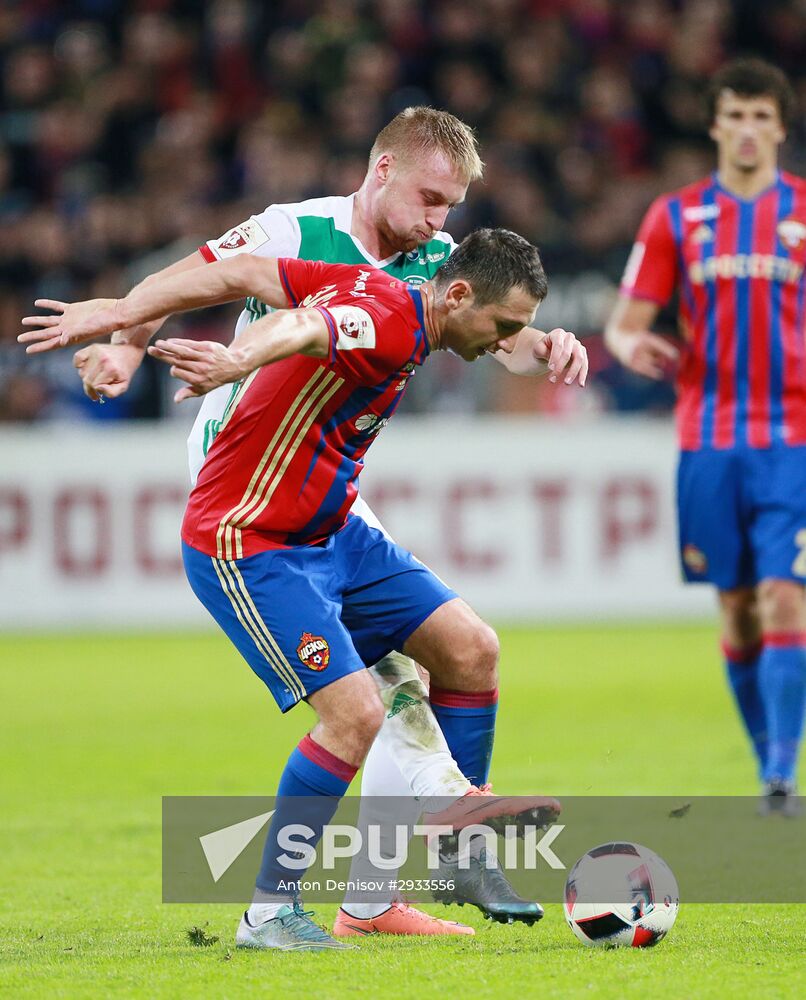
(304, 617)
(742, 515)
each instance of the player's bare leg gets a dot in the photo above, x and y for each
(782, 685)
(350, 714)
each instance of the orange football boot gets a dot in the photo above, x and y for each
(400, 918)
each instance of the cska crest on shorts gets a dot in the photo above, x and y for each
(313, 651)
(695, 559)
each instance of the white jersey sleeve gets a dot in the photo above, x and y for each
(273, 233)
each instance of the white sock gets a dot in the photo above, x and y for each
(392, 806)
(259, 913)
(365, 911)
(411, 738)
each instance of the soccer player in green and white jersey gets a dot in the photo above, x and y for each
(420, 167)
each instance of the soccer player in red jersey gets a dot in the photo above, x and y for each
(309, 593)
(420, 166)
(733, 246)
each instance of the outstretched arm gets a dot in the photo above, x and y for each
(223, 281)
(106, 370)
(205, 365)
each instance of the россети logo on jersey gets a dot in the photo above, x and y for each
(745, 265)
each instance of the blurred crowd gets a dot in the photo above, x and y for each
(132, 131)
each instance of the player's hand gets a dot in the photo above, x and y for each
(68, 324)
(106, 370)
(203, 364)
(558, 352)
(566, 358)
(646, 353)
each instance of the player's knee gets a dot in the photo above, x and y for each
(740, 617)
(781, 605)
(476, 658)
(366, 719)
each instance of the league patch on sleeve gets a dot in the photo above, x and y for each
(355, 328)
(242, 239)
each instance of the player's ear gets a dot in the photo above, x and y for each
(459, 292)
(383, 167)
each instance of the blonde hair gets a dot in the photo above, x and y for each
(425, 130)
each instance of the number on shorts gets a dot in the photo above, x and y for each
(799, 565)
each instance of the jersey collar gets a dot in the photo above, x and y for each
(745, 201)
(426, 295)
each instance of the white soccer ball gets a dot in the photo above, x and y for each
(621, 895)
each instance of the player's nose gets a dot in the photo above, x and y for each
(505, 344)
(435, 218)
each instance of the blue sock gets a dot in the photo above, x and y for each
(321, 779)
(742, 670)
(782, 680)
(467, 718)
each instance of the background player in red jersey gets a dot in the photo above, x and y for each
(308, 593)
(734, 247)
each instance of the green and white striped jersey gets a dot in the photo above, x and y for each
(318, 229)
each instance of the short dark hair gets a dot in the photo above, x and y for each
(752, 78)
(492, 261)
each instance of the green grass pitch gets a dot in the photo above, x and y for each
(95, 729)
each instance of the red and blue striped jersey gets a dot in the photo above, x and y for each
(283, 470)
(739, 269)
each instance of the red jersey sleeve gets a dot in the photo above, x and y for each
(302, 278)
(371, 341)
(651, 271)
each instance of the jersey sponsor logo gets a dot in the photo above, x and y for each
(695, 559)
(700, 213)
(427, 258)
(313, 651)
(370, 423)
(702, 234)
(247, 237)
(355, 328)
(319, 298)
(633, 265)
(360, 286)
(792, 233)
(745, 265)
(414, 279)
